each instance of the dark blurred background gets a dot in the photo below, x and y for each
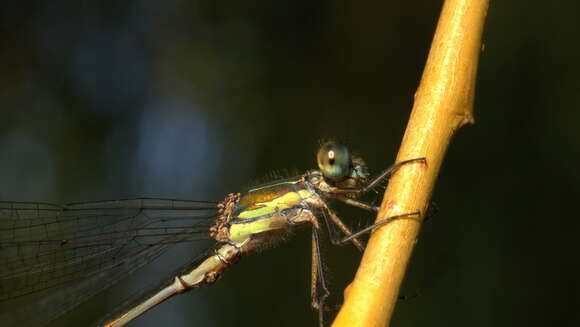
(195, 99)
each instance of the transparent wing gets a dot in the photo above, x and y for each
(93, 244)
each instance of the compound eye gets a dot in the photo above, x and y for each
(334, 160)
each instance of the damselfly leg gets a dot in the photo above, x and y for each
(334, 188)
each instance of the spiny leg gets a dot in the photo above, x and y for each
(334, 218)
(357, 203)
(385, 174)
(432, 210)
(317, 279)
(378, 224)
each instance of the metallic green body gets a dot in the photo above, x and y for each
(268, 208)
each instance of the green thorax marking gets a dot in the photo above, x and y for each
(266, 208)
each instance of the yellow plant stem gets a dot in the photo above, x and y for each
(443, 104)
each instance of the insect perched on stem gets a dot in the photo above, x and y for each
(87, 247)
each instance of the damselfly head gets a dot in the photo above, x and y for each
(334, 160)
(339, 166)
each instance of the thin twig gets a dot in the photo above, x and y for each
(443, 104)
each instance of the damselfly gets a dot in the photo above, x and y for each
(87, 247)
